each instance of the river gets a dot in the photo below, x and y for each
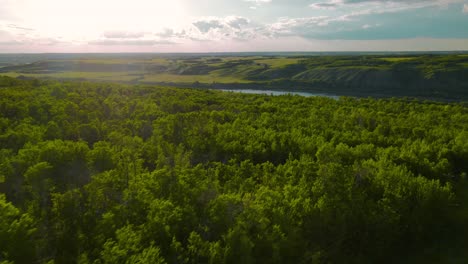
(271, 92)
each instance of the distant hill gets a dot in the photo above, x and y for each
(432, 76)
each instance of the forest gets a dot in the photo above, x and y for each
(97, 172)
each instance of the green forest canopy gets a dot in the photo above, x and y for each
(107, 173)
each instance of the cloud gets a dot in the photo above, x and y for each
(181, 33)
(356, 24)
(223, 28)
(332, 4)
(6, 39)
(358, 10)
(465, 8)
(11, 43)
(123, 35)
(4, 35)
(147, 42)
(206, 25)
(377, 21)
(47, 41)
(166, 33)
(297, 26)
(257, 3)
(13, 26)
(367, 26)
(394, 1)
(9, 38)
(237, 22)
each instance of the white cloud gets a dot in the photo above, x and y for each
(326, 5)
(222, 28)
(26, 38)
(123, 35)
(354, 9)
(257, 3)
(402, 4)
(207, 25)
(6, 38)
(323, 6)
(237, 21)
(14, 26)
(367, 26)
(142, 42)
(438, 2)
(289, 25)
(303, 27)
(166, 33)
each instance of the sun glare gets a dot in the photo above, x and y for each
(88, 18)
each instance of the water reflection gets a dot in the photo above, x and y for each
(271, 92)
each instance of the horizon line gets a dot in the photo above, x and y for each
(237, 52)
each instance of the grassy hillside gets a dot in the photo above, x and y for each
(426, 76)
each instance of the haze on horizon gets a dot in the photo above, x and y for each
(232, 26)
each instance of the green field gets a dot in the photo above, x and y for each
(102, 76)
(188, 79)
(398, 59)
(278, 62)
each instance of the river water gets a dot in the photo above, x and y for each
(271, 92)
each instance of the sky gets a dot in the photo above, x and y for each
(62, 26)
